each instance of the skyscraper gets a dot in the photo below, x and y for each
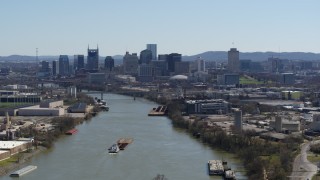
(130, 63)
(55, 68)
(78, 62)
(64, 65)
(172, 59)
(45, 66)
(153, 49)
(233, 60)
(145, 56)
(201, 64)
(109, 63)
(93, 59)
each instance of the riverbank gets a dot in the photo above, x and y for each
(44, 140)
(19, 160)
(262, 159)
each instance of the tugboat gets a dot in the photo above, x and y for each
(229, 175)
(114, 149)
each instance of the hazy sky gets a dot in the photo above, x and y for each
(184, 26)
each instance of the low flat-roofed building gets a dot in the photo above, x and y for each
(273, 136)
(14, 146)
(37, 111)
(292, 126)
(51, 104)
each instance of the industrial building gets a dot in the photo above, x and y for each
(14, 147)
(78, 108)
(285, 125)
(38, 111)
(209, 106)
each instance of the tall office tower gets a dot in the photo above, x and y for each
(130, 63)
(172, 59)
(163, 57)
(145, 56)
(201, 64)
(78, 62)
(109, 63)
(64, 65)
(45, 66)
(233, 60)
(55, 68)
(153, 49)
(93, 59)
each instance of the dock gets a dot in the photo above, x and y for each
(159, 111)
(124, 142)
(23, 171)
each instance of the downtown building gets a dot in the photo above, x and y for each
(109, 63)
(78, 62)
(153, 49)
(93, 59)
(233, 61)
(130, 64)
(64, 65)
(145, 56)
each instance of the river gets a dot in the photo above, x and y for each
(158, 148)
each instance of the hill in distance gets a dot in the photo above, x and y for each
(208, 56)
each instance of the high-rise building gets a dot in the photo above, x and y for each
(233, 60)
(245, 65)
(182, 67)
(45, 66)
(78, 62)
(55, 68)
(145, 56)
(130, 63)
(109, 63)
(153, 49)
(145, 73)
(172, 59)
(287, 78)
(160, 67)
(238, 120)
(64, 65)
(163, 57)
(201, 64)
(93, 59)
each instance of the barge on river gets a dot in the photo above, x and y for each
(220, 168)
(159, 111)
(71, 131)
(124, 142)
(23, 171)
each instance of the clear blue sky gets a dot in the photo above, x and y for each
(184, 26)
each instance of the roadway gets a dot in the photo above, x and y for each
(302, 168)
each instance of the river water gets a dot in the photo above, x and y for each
(158, 148)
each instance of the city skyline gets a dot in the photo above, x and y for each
(67, 27)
